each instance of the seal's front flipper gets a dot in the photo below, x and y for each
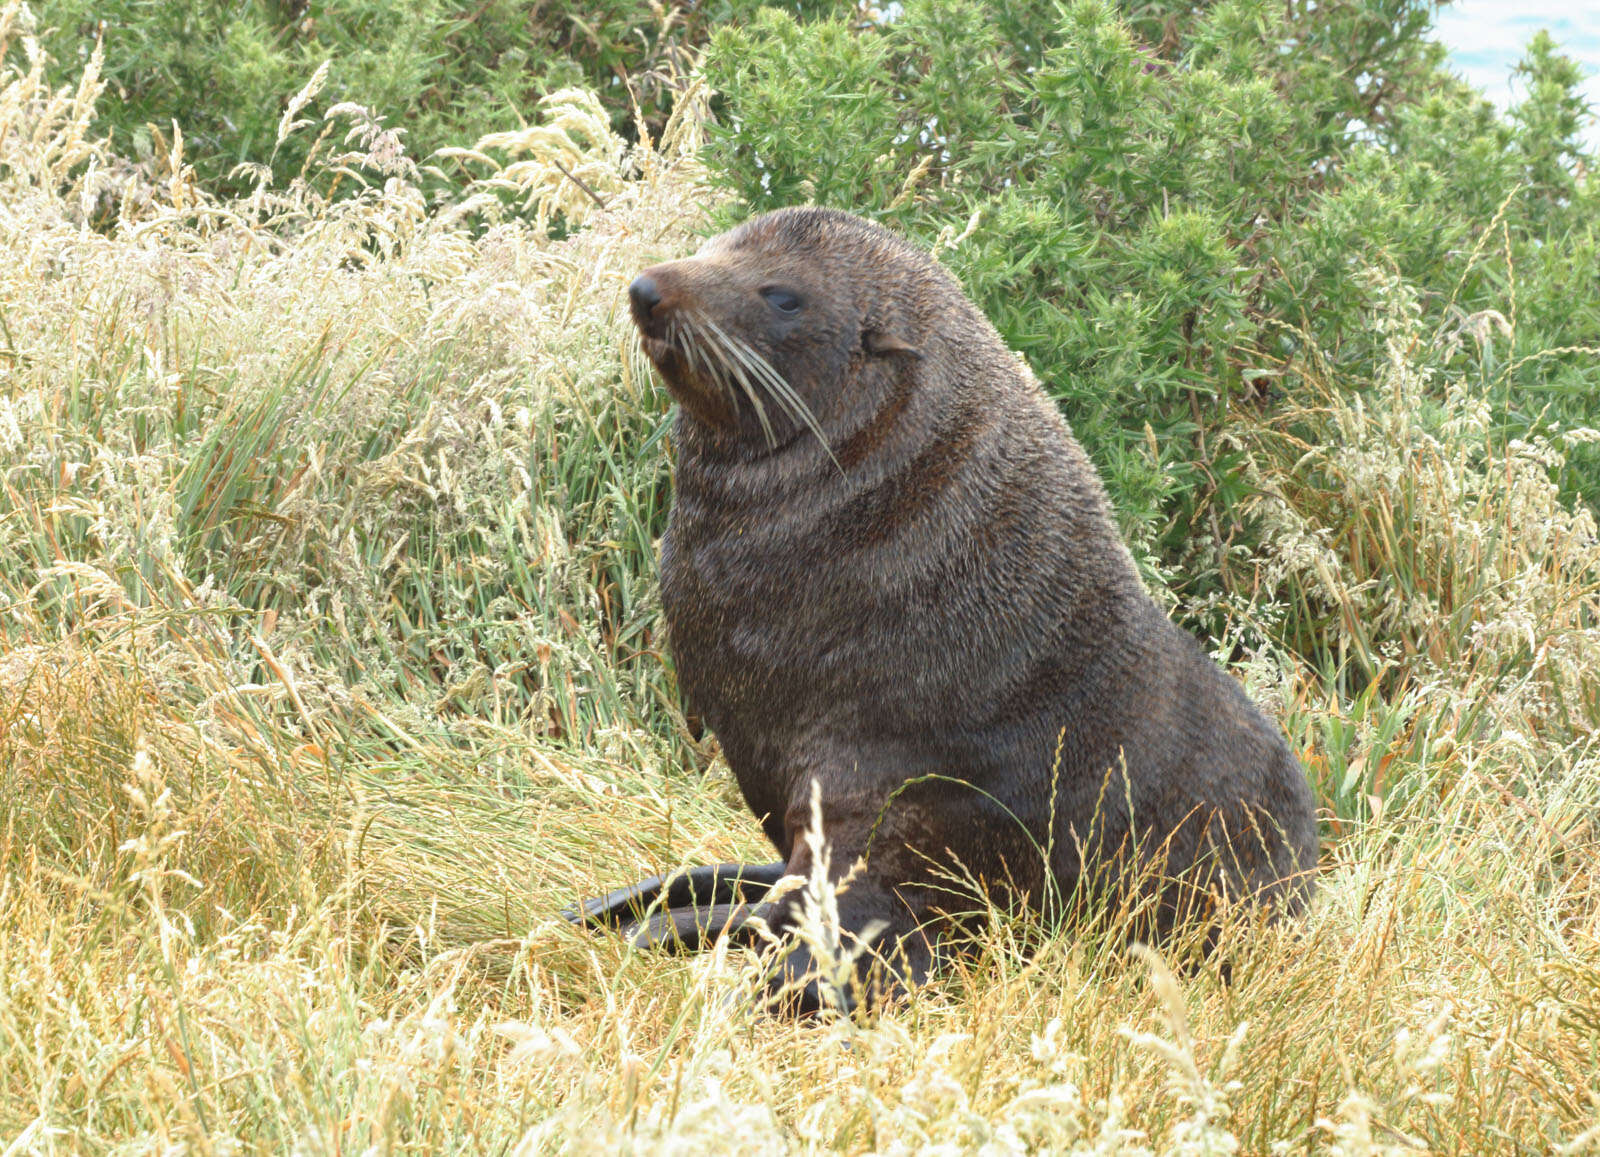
(892, 953)
(692, 929)
(695, 889)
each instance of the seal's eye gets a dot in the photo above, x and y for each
(782, 300)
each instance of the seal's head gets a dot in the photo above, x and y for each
(768, 330)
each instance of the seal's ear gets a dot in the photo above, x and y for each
(880, 342)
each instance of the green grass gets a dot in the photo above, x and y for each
(331, 670)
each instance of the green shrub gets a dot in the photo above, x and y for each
(1168, 213)
(446, 72)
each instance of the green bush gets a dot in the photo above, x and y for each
(1169, 212)
(446, 72)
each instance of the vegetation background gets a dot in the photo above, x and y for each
(330, 658)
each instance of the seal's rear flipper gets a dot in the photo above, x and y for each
(696, 890)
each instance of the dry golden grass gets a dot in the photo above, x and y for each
(328, 676)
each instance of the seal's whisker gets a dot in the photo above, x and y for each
(712, 357)
(715, 343)
(719, 346)
(769, 377)
(779, 387)
(681, 339)
(682, 335)
(759, 369)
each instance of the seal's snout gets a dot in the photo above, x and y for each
(645, 295)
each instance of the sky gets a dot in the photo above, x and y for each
(1487, 37)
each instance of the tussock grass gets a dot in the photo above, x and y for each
(330, 671)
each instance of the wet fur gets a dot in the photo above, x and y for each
(898, 576)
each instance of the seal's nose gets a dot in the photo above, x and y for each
(645, 295)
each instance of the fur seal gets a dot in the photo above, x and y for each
(890, 571)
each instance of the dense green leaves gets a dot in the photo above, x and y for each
(1169, 207)
(444, 71)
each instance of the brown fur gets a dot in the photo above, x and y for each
(931, 588)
